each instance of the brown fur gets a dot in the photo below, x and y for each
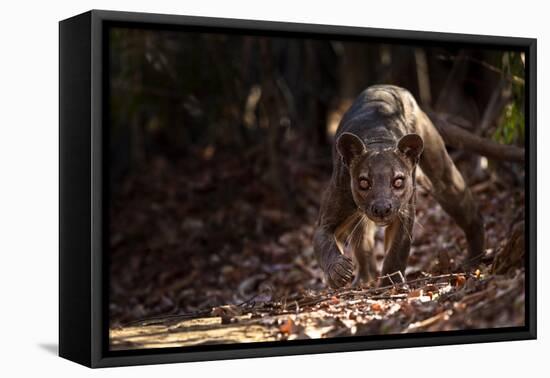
(381, 138)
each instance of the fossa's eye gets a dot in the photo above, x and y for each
(364, 183)
(398, 182)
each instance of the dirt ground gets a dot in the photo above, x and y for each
(217, 255)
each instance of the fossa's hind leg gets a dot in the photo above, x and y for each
(397, 245)
(451, 191)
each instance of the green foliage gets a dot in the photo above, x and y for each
(511, 129)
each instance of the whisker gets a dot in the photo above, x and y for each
(349, 238)
(359, 240)
(406, 213)
(405, 227)
(418, 223)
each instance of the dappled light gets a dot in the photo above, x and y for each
(221, 147)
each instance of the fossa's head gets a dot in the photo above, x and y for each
(381, 174)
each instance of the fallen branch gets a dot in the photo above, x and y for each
(310, 301)
(455, 136)
(373, 293)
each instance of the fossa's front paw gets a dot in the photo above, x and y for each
(339, 272)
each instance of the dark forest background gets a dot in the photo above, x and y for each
(173, 92)
(221, 149)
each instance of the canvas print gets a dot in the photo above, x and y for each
(272, 188)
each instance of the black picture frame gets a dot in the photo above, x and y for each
(83, 322)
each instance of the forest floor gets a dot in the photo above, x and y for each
(217, 256)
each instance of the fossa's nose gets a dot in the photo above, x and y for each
(381, 208)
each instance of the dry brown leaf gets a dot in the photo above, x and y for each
(376, 307)
(287, 327)
(460, 281)
(415, 293)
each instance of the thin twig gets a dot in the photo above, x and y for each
(322, 298)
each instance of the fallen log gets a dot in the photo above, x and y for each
(457, 137)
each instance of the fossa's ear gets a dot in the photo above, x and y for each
(349, 146)
(412, 146)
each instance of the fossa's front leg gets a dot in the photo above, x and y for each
(336, 207)
(360, 244)
(397, 244)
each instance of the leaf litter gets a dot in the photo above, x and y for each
(204, 259)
